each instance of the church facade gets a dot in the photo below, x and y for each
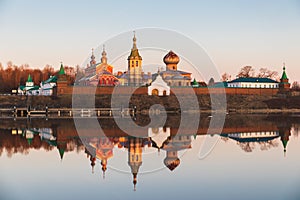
(99, 74)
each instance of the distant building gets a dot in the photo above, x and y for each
(103, 148)
(253, 82)
(172, 76)
(284, 84)
(262, 136)
(159, 87)
(47, 87)
(99, 74)
(29, 88)
(134, 76)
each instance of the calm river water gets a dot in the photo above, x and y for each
(252, 157)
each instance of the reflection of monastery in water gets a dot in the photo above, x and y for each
(245, 139)
(63, 137)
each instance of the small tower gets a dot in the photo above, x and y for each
(29, 82)
(284, 85)
(62, 82)
(134, 65)
(93, 61)
(285, 134)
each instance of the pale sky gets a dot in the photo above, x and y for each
(233, 33)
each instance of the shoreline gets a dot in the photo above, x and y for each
(70, 113)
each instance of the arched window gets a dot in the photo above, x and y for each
(155, 92)
(165, 93)
(136, 63)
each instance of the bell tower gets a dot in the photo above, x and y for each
(134, 65)
(284, 84)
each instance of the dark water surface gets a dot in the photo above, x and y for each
(253, 157)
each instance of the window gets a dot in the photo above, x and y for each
(136, 63)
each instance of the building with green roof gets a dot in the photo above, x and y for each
(253, 82)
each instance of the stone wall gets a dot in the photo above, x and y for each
(175, 90)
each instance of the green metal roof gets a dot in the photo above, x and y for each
(34, 88)
(219, 85)
(253, 79)
(52, 79)
(194, 82)
(29, 79)
(284, 142)
(61, 70)
(61, 152)
(284, 76)
(29, 141)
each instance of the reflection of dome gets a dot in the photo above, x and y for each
(171, 163)
(171, 58)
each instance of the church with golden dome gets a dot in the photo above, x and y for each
(101, 74)
(172, 76)
(134, 76)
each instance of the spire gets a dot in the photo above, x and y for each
(284, 143)
(93, 61)
(93, 159)
(104, 58)
(61, 153)
(29, 79)
(134, 181)
(61, 70)
(134, 51)
(104, 167)
(134, 41)
(284, 76)
(92, 57)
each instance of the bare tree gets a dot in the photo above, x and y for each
(247, 146)
(266, 73)
(225, 77)
(296, 85)
(246, 72)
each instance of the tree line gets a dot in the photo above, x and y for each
(12, 76)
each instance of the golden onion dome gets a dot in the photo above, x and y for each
(172, 163)
(171, 58)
